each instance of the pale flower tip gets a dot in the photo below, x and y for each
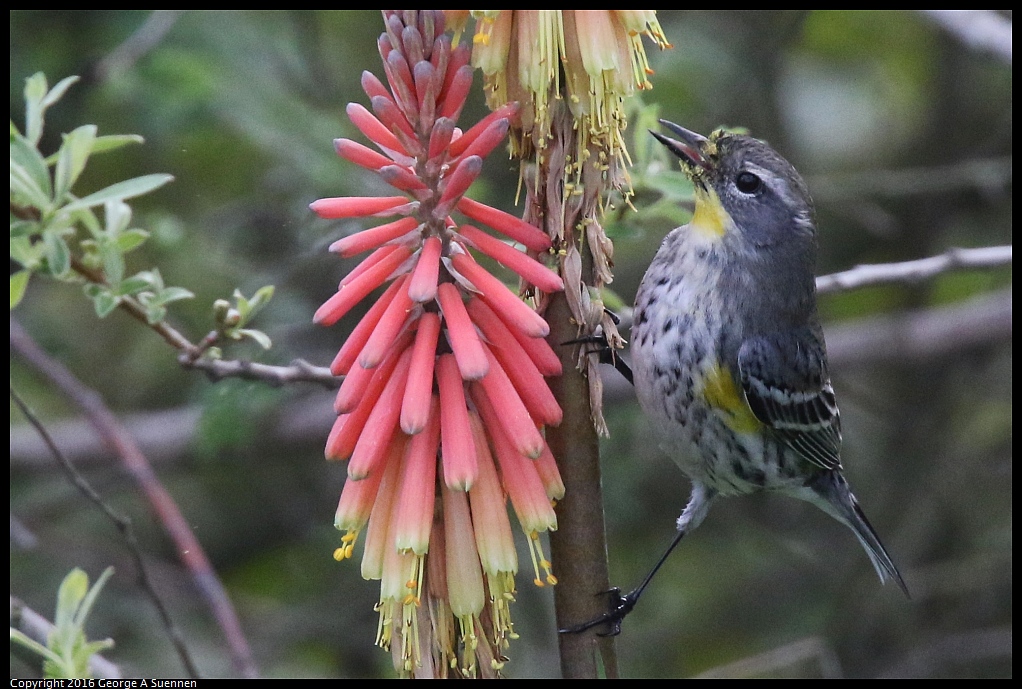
(358, 474)
(462, 484)
(412, 426)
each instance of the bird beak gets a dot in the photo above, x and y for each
(689, 149)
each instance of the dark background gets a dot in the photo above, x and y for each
(904, 134)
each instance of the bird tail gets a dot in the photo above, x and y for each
(835, 498)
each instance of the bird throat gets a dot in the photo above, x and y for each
(710, 221)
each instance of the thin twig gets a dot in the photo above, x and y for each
(135, 309)
(191, 355)
(123, 445)
(298, 371)
(38, 628)
(922, 336)
(123, 524)
(914, 271)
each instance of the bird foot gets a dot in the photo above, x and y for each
(618, 606)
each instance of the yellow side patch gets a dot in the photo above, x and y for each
(710, 219)
(722, 394)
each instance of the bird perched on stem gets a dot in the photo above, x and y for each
(728, 355)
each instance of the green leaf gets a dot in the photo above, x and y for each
(90, 598)
(58, 91)
(155, 314)
(134, 285)
(86, 217)
(92, 290)
(118, 216)
(24, 189)
(35, 91)
(174, 294)
(69, 596)
(105, 303)
(257, 335)
(131, 240)
(112, 142)
(153, 277)
(25, 252)
(19, 283)
(71, 159)
(248, 308)
(120, 191)
(58, 255)
(23, 228)
(26, 155)
(37, 100)
(20, 638)
(113, 264)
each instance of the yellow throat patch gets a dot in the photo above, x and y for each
(710, 220)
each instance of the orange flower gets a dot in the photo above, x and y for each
(444, 372)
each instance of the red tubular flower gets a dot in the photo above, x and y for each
(443, 327)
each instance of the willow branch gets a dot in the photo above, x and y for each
(133, 308)
(299, 371)
(38, 628)
(123, 445)
(922, 336)
(123, 524)
(910, 272)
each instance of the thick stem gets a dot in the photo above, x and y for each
(579, 546)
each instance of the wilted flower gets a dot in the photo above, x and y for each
(570, 71)
(447, 366)
(524, 54)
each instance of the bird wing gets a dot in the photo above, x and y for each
(785, 380)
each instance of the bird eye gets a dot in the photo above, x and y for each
(748, 183)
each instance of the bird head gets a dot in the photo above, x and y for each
(742, 186)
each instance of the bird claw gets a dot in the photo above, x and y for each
(619, 606)
(605, 353)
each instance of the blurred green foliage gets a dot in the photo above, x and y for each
(241, 108)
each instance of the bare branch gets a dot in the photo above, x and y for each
(982, 30)
(298, 371)
(922, 336)
(123, 445)
(123, 525)
(912, 337)
(38, 628)
(914, 271)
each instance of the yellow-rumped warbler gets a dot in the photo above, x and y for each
(728, 356)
